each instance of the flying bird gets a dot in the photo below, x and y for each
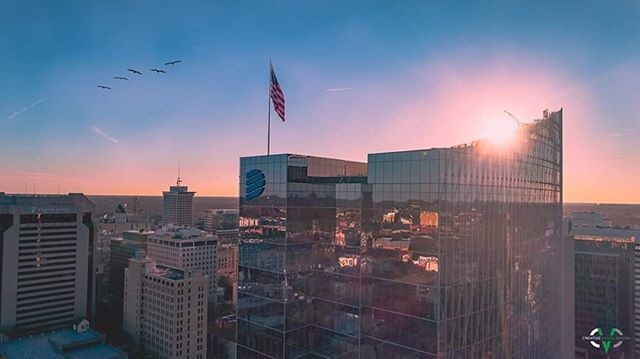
(173, 62)
(120, 78)
(159, 71)
(135, 71)
(104, 87)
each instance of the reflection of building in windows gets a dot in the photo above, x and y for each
(604, 284)
(446, 252)
(429, 218)
(430, 264)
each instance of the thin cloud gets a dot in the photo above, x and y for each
(28, 174)
(33, 174)
(339, 89)
(104, 135)
(615, 135)
(631, 130)
(25, 109)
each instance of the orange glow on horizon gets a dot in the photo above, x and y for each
(453, 101)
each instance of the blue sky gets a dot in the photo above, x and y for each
(397, 59)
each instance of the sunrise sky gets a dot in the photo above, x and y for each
(358, 78)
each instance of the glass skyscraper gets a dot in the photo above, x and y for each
(604, 287)
(439, 253)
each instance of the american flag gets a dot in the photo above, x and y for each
(277, 96)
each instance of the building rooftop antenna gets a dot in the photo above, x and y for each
(178, 181)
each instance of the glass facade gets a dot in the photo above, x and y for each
(604, 287)
(440, 253)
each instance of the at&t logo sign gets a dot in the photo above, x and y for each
(254, 184)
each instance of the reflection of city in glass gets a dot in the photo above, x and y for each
(604, 269)
(430, 253)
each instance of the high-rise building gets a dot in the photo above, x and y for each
(165, 310)
(605, 283)
(131, 244)
(47, 269)
(439, 253)
(187, 248)
(177, 205)
(636, 296)
(122, 249)
(102, 264)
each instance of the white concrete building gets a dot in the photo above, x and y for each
(165, 310)
(188, 248)
(47, 262)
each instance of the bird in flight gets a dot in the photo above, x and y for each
(135, 71)
(173, 62)
(159, 71)
(104, 87)
(120, 78)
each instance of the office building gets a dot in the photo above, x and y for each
(177, 205)
(605, 286)
(636, 295)
(131, 244)
(187, 248)
(47, 269)
(121, 250)
(439, 253)
(79, 342)
(102, 264)
(165, 310)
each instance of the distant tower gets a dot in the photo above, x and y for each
(177, 204)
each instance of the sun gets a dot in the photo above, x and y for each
(500, 130)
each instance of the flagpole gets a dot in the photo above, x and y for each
(269, 115)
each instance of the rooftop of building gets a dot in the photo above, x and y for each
(171, 231)
(178, 189)
(62, 344)
(310, 167)
(46, 202)
(167, 272)
(607, 232)
(222, 210)
(139, 231)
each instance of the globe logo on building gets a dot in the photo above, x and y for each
(254, 184)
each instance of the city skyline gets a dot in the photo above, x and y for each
(349, 72)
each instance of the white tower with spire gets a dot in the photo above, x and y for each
(177, 204)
